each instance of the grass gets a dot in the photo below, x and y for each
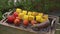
(0, 15)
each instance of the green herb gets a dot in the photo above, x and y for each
(0, 15)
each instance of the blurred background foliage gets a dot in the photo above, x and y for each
(0, 15)
(44, 6)
(36, 5)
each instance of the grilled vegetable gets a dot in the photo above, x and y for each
(10, 19)
(17, 22)
(25, 22)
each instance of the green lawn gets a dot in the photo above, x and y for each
(9, 30)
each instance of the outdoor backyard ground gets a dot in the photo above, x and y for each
(8, 30)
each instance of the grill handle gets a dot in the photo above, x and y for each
(6, 14)
(53, 21)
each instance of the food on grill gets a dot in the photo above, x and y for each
(45, 16)
(17, 22)
(42, 20)
(25, 18)
(10, 19)
(29, 13)
(40, 14)
(31, 17)
(34, 13)
(18, 10)
(21, 15)
(33, 22)
(38, 18)
(25, 22)
(15, 14)
(24, 12)
(18, 18)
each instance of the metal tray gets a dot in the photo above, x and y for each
(48, 30)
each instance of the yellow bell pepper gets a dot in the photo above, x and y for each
(34, 13)
(21, 15)
(40, 14)
(42, 20)
(18, 10)
(29, 13)
(38, 18)
(31, 17)
(25, 17)
(45, 17)
(24, 12)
